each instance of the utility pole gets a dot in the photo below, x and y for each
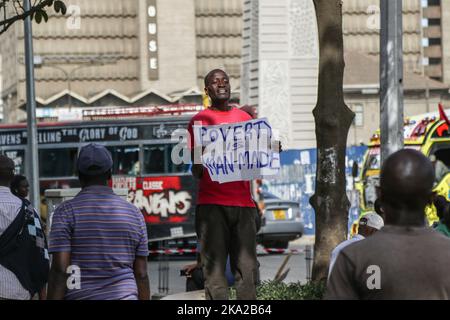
(32, 160)
(391, 77)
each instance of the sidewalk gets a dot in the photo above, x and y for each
(270, 263)
(192, 295)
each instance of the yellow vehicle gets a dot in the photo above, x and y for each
(426, 133)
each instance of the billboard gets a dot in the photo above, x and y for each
(167, 203)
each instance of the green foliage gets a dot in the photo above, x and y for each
(271, 290)
(40, 13)
(59, 6)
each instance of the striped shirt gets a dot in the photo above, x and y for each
(104, 234)
(10, 287)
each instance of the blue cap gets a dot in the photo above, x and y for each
(94, 159)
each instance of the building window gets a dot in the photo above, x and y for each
(359, 115)
(434, 41)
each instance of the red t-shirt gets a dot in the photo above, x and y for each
(234, 194)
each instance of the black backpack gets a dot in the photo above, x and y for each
(24, 250)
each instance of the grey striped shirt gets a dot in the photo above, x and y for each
(10, 287)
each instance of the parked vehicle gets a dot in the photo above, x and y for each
(428, 133)
(281, 223)
(140, 143)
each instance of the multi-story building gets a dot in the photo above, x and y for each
(100, 45)
(141, 52)
(424, 52)
(124, 52)
(436, 39)
(280, 66)
(361, 27)
(425, 34)
(272, 31)
(219, 38)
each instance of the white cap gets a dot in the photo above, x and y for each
(373, 220)
(432, 158)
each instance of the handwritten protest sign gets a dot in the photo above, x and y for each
(238, 151)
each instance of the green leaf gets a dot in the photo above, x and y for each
(44, 15)
(38, 16)
(63, 8)
(57, 6)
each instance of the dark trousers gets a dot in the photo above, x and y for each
(195, 281)
(227, 231)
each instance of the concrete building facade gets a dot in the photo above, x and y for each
(123, 51)
(280, 66)
(144, 52)
(424, 52)
(219, 27)
(426, 33)
(127, 47)
(267, 34)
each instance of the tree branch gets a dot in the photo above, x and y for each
(6, 23)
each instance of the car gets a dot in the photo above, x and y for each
(281, 223)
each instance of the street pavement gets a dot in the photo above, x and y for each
(269, 265)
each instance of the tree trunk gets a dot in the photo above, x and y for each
(333, 119)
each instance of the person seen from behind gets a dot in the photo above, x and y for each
(405, 260)
(367, 226)
(24, 260)
(443, 213)
(99, 237)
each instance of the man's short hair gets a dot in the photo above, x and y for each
(6, 167)
(211, 73)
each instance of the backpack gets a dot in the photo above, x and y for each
(24, 250)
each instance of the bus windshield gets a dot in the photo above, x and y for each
(373, 159)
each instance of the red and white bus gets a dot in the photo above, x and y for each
(140, 143)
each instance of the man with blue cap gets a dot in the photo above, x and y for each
(98, 240)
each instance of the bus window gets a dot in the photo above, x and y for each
(155, 158)
(18, 156)
(176, 168)
(125, 160)
(57, 162)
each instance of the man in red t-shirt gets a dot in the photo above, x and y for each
(225, 213)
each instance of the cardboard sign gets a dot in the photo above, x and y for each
(238, 151)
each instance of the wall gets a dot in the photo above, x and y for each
(176, 47)
(219, 26)
(445, 39)
(361, 29)
(414, 104)
(280, 66)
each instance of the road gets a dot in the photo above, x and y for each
(269, 265)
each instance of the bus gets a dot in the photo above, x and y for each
(428, 133)
(140, 143)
